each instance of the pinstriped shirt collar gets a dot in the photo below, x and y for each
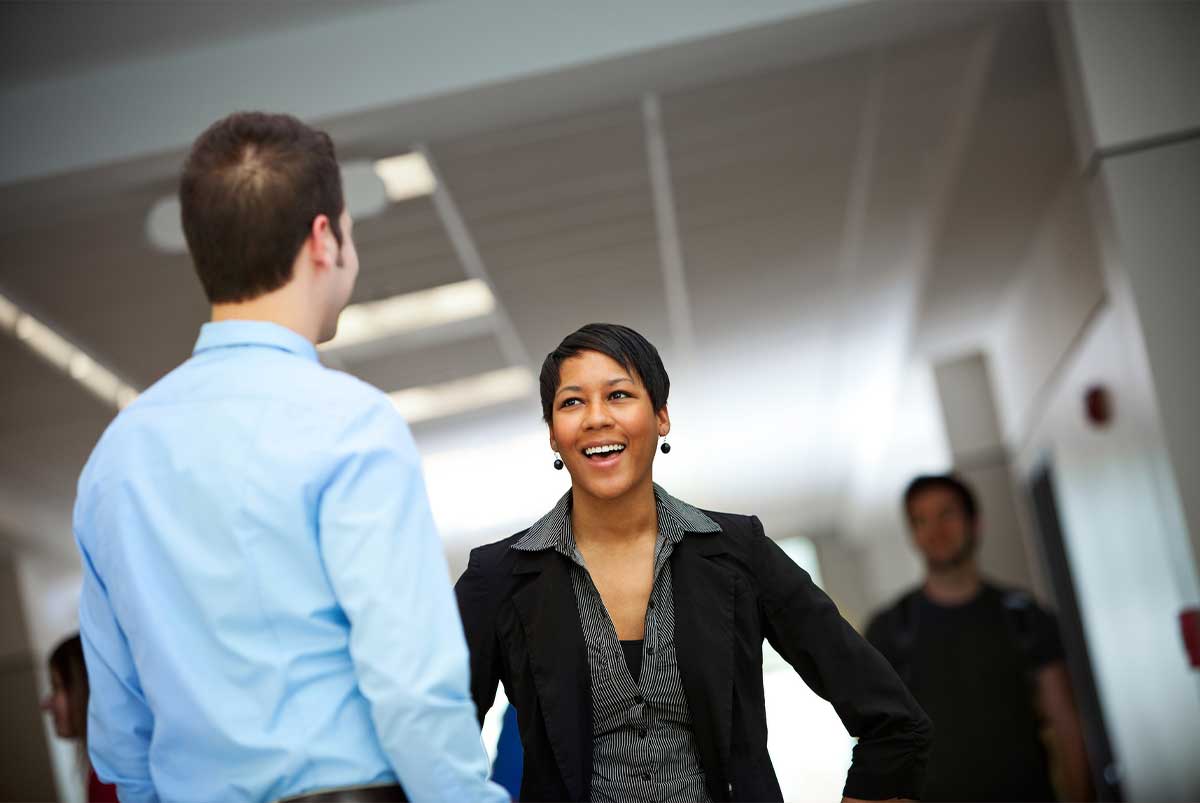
(553, 531)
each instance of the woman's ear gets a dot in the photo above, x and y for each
(664, 421)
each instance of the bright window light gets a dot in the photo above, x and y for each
(449, 398)
(64, 355)
(406, 176)
(373, 320)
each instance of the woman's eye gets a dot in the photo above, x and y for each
(619, 394)
(568, 403)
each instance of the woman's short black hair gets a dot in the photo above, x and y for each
(635, 353)
(925, 482)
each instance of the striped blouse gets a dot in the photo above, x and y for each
(643, 748)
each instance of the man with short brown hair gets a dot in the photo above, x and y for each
(984, 661)
(266, 608)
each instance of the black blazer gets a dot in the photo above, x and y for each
(732, 589)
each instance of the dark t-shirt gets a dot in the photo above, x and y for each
(972, 667)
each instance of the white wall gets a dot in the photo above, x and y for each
(1122, 530)
(1153, 266)
(1061, 284)
(913, 442)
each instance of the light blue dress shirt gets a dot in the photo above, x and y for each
(266, 607)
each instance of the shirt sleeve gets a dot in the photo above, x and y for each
(386, 565)
(804, 626)
(1047, 645)
(120, 723)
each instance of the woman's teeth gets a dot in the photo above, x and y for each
(599, 451)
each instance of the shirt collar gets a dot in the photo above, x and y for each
(553, 531)
(224, 334)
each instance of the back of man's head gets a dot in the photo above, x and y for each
(251, 187)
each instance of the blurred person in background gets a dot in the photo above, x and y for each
(266, 607)
(627, 625)
(67, 704)
(983, 660)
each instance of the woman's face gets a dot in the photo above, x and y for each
(604, 426)
(58, 705)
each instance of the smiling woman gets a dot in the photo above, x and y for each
(627, 626)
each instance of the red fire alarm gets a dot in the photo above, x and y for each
(1098, 406)
(1189, 625)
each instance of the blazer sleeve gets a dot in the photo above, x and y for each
(477, 607)
(804, 626)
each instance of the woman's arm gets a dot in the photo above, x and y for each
(478, 612)
(804, 626)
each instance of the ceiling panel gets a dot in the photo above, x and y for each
(100, 282)
(442, 362)
(562, 213)
(402, 250)
(1020, 153)
(761, 168)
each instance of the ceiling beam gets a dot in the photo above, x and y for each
(670, 248)
(472, 262)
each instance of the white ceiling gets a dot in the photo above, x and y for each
(834, 218)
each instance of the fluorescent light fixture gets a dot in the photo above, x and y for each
(65, 355)
(374, 320)
(406, 176)
(461, 395)
(8, 313)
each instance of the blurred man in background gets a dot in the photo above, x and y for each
(266, 608)
(984, 661)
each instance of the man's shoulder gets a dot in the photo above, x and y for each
(1012, 598)
(887, 617)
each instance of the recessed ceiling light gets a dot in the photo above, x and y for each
(65, 355)
(405, 176)
(449, 398)
(373, 320)
(164, 226)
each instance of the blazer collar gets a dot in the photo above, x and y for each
(553, 530)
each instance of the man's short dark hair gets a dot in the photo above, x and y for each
(251, 187)
(949, 482)
(635, 354)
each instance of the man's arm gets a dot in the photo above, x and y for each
(804, 626)
(120, 723)
(1057, 705)
(384, 560)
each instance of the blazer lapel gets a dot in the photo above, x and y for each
(704, 598)
(558, 660)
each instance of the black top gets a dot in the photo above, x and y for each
(633, 658)
(972, 668)
(733, 589)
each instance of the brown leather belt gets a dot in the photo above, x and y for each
(381, 793)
